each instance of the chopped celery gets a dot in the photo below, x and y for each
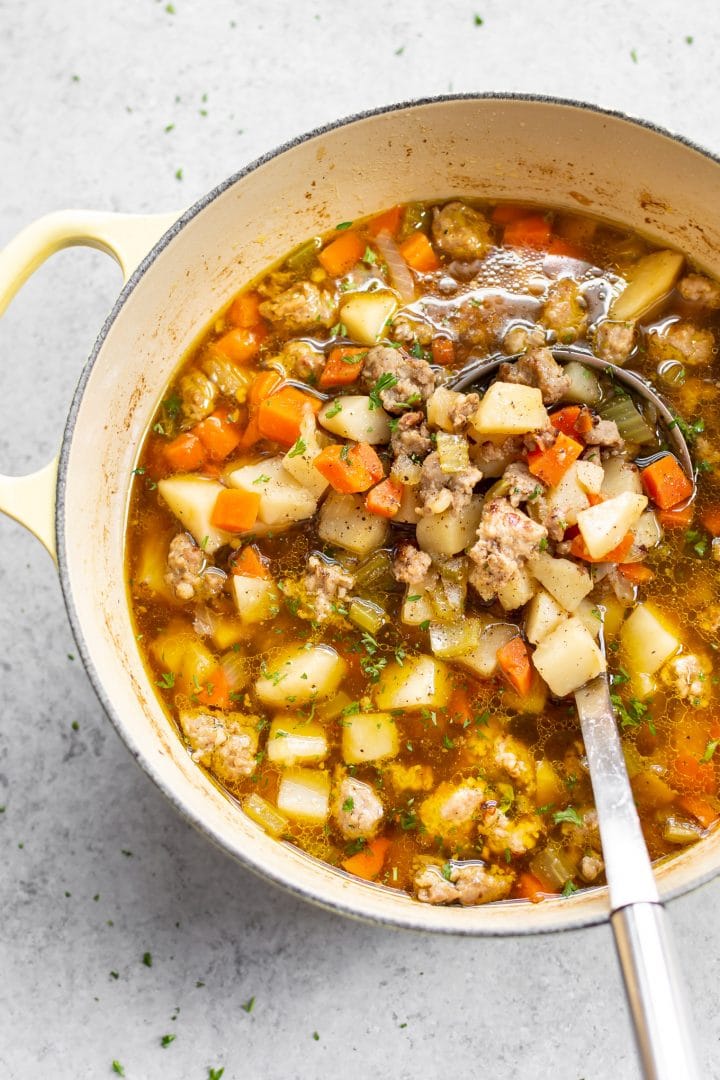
(333, 707)
(375, 574)
(448, 599)
(631, 425)
(454, 639)
(415, 216)
(305, 257)
(679, 831)
(366, 615)
(584, 388)
(265, 815)
(452, 452)
(452, 568)
(553, 866)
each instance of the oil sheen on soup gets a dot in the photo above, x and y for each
(366, 599)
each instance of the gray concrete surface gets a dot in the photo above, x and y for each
(96, 868)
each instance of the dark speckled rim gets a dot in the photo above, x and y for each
(572, 921)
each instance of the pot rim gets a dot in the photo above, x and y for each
(571, 921)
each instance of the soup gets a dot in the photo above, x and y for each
(366, 599)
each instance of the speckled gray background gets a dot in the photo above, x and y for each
(96, 868)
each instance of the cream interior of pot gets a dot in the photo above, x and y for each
(533, 151)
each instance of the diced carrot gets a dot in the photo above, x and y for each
(584, 423)
(443, 351)
(184, 453)
(690, 775)
(418, 253)
(385, 499)
(249, 563)
(216, 691)
(532, 231)
(711, 521)
(459, 707)
(251, 434)
(280, 415)
(235, 511)
(665, 482)
(618, 553)
(504, 213)
(636, 572)
(340, 369)
(677, 518)
(565, 420)
(594, 499)
(699, 808)
(342, 253)
(218, 434)
(389, 221)
(241, 344)
(349, 469)
(558, 246)
(551, 465)
(263, 386)
(529, 887)
(368, 863)
(514, 663)
(245, 310)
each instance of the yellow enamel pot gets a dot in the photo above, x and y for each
(180, 272)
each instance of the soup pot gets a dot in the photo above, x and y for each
(180, 270)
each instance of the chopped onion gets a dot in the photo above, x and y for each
(203, 621)
(236, 669)
(400, 277)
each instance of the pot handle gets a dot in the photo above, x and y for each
(30, 499)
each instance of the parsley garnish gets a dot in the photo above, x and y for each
(446, 871)
(425, 624)
(299, 448)
(348, 806)
(117, 1068)
(248, 1005)
(569, 887)
(166, 1040)
(691, 430)
(369, 257)
(385, 382)
(166, 681)
(570, 814)
(709, 751)
(334, 409)
(147, 959)
(262, 479)
(344, 225)
(215, 1074)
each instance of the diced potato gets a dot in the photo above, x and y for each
(602, 527)
(542, 616)
(179, 651)
(416, 607)
(565, 501)
(509, 409)
(264, 814)
(550, 789)
(449, 640)
(420, 682)
(651, 279)
(646, 641)
(283, 500)
(192, 500)
(590, 476)
(365, 314)
(298, 461)
(620, 476)
(294, 740)
(439, 406)
(345, 522)
(452, 451)
(568, 658)
(518, 590)
(613, 617)
(590, 616)
(650, 789)
(407, 514)
(452, 531)
(354, 417)
(226, 631)
(304, 795)
(482, 660)
(151, 565)
(647, 534)
(369, 737)
(300, 675)
(257, 599)
(584, 388)
(567, 582)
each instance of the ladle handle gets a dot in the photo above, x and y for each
(655, 993)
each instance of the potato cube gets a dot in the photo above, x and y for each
(543, 615)
(421, 682)
(567, 582)
(603, 526)
(482, 660)
(295, 740)
(651, 278)
(365, 314)
(354, 416)
(192, 500)
(518, 590)
(257, 599)
(451, 531)
(590, 476)
(646, 642)
(369, 737)
(304, 794)
(300, 675)
(346, 523)
(568, 658)
(509, 409)
(282, 499)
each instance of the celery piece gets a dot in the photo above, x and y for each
(375, 572)
(453, 452)
(415, 217)
(304, 257)
(448, 640)
(265, 815)
(553, 866)
(366, 615)
(678, 831)
(631, 425)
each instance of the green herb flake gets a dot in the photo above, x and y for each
(348, 806)
(446, 871)
(147, 959)
(448, 743)
(425, 624)
(569, 887)
(315, 1036)
(178, 174)
(334, 409)
(166, 1040)
(262, 479)
(117, 1068)
(385, 382)
(344, 225)
(248, 1005)
(709, 751)
(369, 257)
(634, 56)
(478, 20)
(570, 814)
(689, 39)
(166, 681)
(215, 1074)
(114, 975)
(299, 448)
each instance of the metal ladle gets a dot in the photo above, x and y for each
(653, 985)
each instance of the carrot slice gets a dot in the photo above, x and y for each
(529, 887)
(263, 386)
(699, 808)
(241, 344)
(514, 663)
(340, 369)
(551, 465)
(385, 499)
(235, 511)
(218, 434)
(677, 518)
(565, 420)
(342, 254)
(349, 469)
(389, 221)
(459, 707)
(443, 351)
(280, 415)
(532, 231)
(216, 691)
(665, 482)
(249, 563)
(185, 453)
(690, 775)
(636, 572)
(368, 863)
(618, 553)
(418, 253)
(245, 310)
